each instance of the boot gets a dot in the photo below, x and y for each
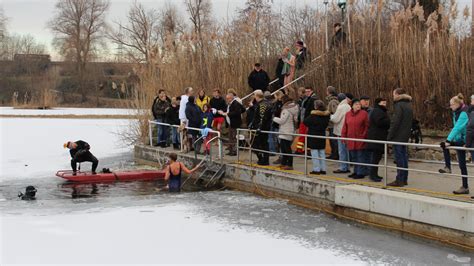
(445, 170)
(461, 191)
(396, 183)
(376, 178)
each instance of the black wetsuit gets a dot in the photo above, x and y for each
(82, 154)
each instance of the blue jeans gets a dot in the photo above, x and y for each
(272, 140)
(401, 158)
(463, 167)
(366, 156)
(175, 138)
(318, 156)
(162, 133)
(358, 156)
(343, 155)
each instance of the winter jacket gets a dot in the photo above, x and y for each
(219, 104)
(207, 118)
(194, 115)
(356, 126)
(159, 108)
(82, 146)
(402, 119)
(379, 123)
(332, 103)
(258, 80)
(339, 116)
(287, 120)
(234, 114)
(172, 115)
(182, 107)
(262, 118)
(201, 102)
(301, 58)
(339, 39)
(470, 128)
(457, 136)
(307, 105)
(317, 124)
(276, 112)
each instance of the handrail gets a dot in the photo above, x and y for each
(292, 82)
(150, 133)
(385, 143)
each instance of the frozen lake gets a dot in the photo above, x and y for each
(138, 223)
(65, 111)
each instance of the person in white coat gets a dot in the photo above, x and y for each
(287, 122)
(338, 119)
(182, 106)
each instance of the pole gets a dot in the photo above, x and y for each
(385, 164)
(150, 133)
(305, 155)
(238, 145)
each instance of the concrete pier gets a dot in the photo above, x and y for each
(432, 215)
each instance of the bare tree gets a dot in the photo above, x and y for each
(140, 35)
(78, 26)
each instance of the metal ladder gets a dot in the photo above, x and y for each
(211, 175)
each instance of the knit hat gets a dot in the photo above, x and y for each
(341, 97)
(355, 100)
(349, 95)
(365, 97)
(378, 100)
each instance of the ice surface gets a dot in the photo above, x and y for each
(65, 111)
(33, 147)
(170, 234)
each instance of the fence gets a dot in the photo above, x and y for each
(216, 138)
(384, 143)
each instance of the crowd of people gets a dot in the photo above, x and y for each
(340, 115)
(285, 112)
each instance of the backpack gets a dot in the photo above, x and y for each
(416, 135)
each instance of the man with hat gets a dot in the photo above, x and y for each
(301, 55)
(80, 152)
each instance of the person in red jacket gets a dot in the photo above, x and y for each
(356, 126)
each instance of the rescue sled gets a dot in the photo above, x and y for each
(132, 175)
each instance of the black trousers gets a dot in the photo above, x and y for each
(84, 156)
(375, 157)
(333, 144)
(260, 142)
(285, 147)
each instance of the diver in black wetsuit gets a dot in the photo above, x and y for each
(79, 151)
(173, 173)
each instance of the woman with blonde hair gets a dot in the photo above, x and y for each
(457, 137)
(202, 99)
(289, 66)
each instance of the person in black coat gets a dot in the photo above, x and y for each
(281, 78)
(80, 152)
(339, 38)
(400, 131)
(379, 123)
(261, 121)
(233, 116)
(258, 78)
(172, 118)
(218, 103)
(317, 123)
(194, 116)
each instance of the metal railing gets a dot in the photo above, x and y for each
(384, 143)
(216, 138)
(292, 82)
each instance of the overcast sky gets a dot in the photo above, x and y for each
(31, 16)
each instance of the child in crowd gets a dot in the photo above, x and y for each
(207, 117)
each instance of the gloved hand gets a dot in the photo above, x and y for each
(443, 145)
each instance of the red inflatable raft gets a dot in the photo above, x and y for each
(88, 177)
